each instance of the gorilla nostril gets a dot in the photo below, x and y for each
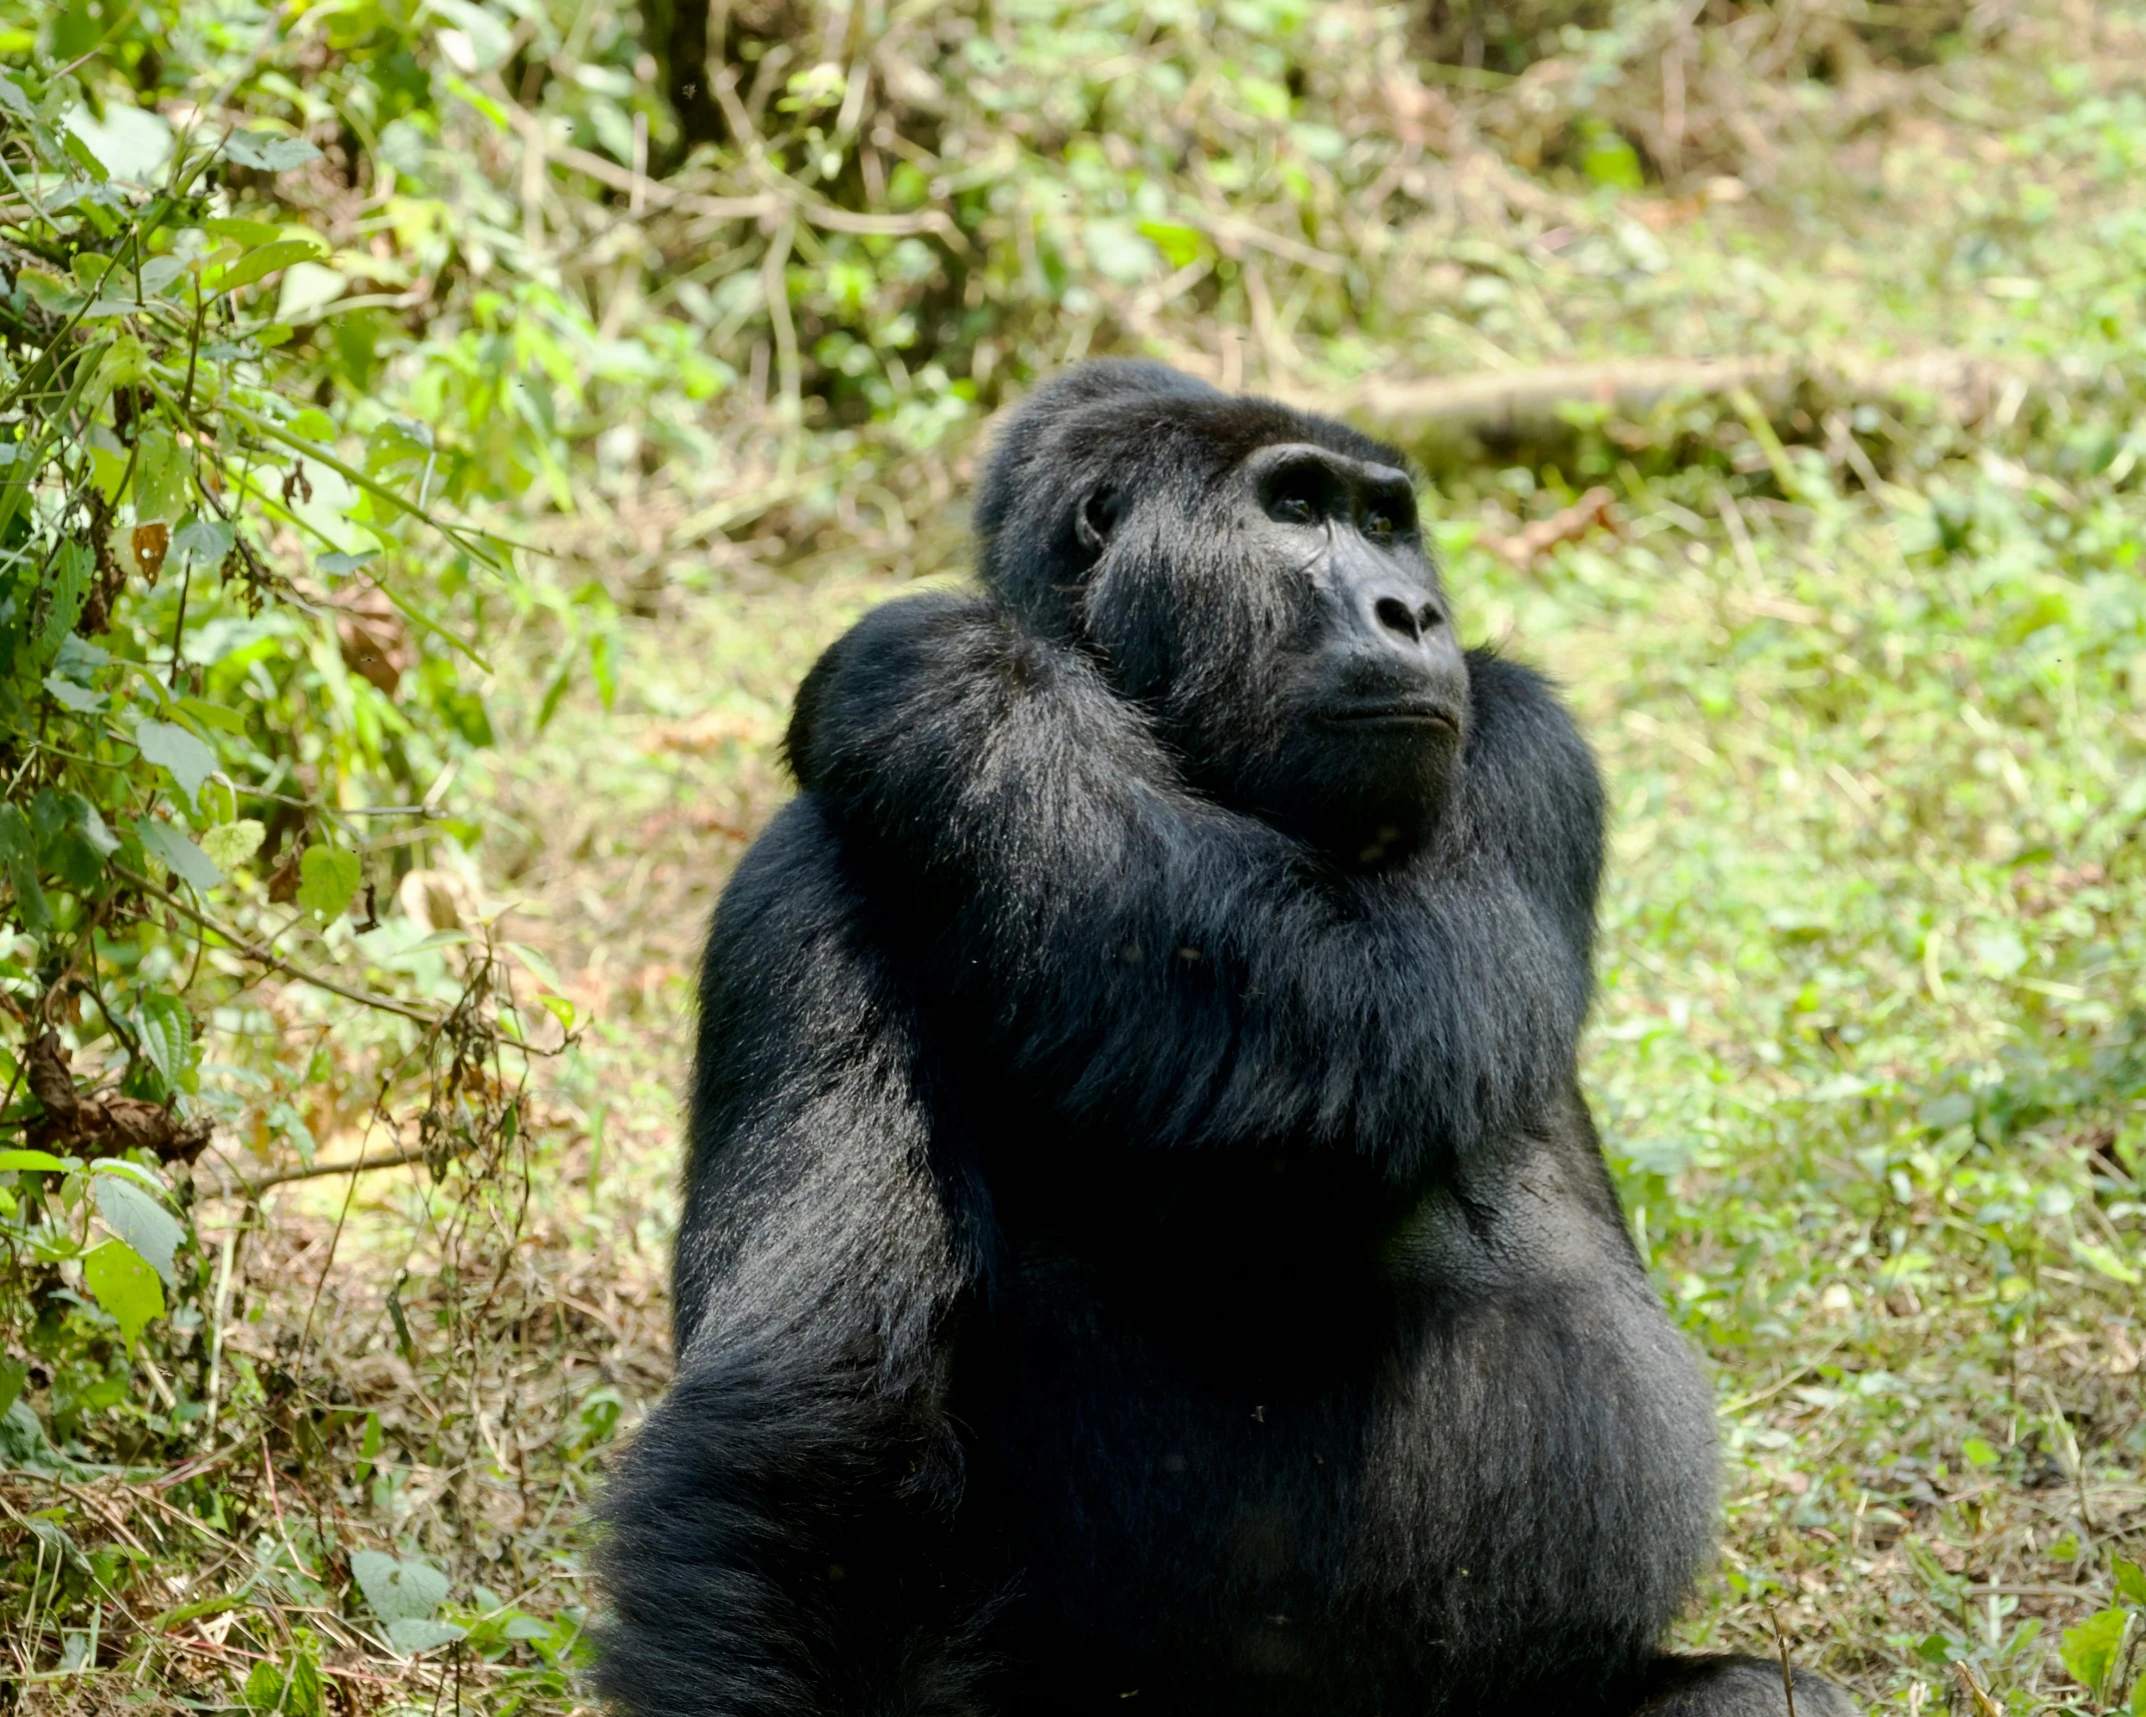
(1430, 619)
(1394, 615)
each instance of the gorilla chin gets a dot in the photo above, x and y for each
(1143, 1232)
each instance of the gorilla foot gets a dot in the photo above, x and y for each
(1736, 1687)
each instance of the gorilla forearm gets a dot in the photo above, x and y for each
(772, 1532)
(1148, 954)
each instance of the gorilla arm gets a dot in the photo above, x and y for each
(1161, 963)
(772, 1533)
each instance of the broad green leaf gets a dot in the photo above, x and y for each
(131, 1171)
(307, 288)
(124, 1286)
(68, 695)
(256, 264)
(398, 1589)
(2091, 1648)
(162, 469)
(285, 1689)
(229, 845)
(2106, 1260)
(2130, 1581)
(12, 98)
(246, 232)
(72, 570)
(149, 1230)
(203, 543)
(43, 1162)
(1178, 244)
(414, 1634)
(82, 156)
(180, 856)
(214, 715)
(18, 856)
(166, 1030)
(327, 880)
(172, 748)
(72, 841)
(266, 152)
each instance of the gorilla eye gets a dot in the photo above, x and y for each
(1379, 528)
(1294, 510)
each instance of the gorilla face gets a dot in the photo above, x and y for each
(1254, 577)
(1290, 633)
(1373, 686)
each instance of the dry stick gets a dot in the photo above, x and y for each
(358, 1165)
(1788, 1678)
(1491, 403)
(1979, 1694)
(276, 962)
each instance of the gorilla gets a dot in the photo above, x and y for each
(1144, 1244)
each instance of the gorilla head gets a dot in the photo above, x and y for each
(1252, 575)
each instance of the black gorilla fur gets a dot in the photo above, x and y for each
(1131, 1246)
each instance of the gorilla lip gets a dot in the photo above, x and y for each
(1403, 716)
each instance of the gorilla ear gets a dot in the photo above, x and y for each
(1095, 519)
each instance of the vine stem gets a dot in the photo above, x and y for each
(276, 962)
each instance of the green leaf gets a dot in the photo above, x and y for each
(398, 1589)
(65, 846)
(229, 845)
(166, 1030)
(2106, 1260)
(286, 1690)
(124, 1286)
(151, 1232)
(41, 1162)
(180, 856)
(327, 880)
(79, 152)
(2130, 1581)
(80, 699)
(245, 231)
(2091, 1648)
(161, 472)
(1978, 1452)
(72, 569)
(172, 748)
(1178, 244)
(414, 1634)
(267, 260)
(18, 856)
(203, 543)
(1611, 160)
(213, 715)
(267, 152)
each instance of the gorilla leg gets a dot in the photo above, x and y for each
(777, 1549)
(1735, 1687)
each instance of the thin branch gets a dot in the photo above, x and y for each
(253, 1187)
(261, 956)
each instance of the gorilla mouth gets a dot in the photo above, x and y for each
(1406, 717)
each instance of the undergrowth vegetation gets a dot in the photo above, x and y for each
(435, 437)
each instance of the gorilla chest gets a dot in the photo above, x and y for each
(1415, 1437)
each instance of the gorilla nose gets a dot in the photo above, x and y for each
(1406, 619)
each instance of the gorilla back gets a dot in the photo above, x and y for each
(1143, 1234)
